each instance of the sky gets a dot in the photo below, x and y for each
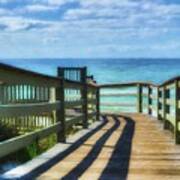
(89, 28)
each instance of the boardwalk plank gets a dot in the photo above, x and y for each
(137, 149)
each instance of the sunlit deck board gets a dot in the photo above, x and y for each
(125, 148)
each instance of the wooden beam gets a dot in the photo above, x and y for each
(12, 145)
(119, 104)
(16, 110)
(149, 100)
(72, 85)
(164, 108)
(72, 104)
(60, 114)
(158, 103)
(139, 98)
(1, 93)
(97, 104)
(119, 95)
(84, 93)
(12, 75)
(170, 86)
(177, 113)
(125, 85)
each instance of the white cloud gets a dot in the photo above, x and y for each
(5, 12)
(108, 3)
(127, 13)
(18, 23)
(39, 8)
(53, 2)
(104, 25)
(78, 13)
(56, 2)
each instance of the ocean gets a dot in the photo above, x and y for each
(108, 70)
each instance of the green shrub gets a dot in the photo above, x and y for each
(7, 132)
(33, 150)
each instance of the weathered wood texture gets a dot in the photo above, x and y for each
(139, 98)
(162, 101)
(84, 93)
(132, 147)
(31, 101)
(80, 97)
(12, 145)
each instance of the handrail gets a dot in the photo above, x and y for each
(27, 109)
(25, 72)
(30, 100)
(171, 80)
(163, 100)
(127, 84)
(12, 145)
(31, 74)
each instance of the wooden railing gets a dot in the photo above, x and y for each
(161, 101)
(39, 105)
(127, 97)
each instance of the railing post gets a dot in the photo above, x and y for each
(158, 106)
(2, 93)
(177, 112)
(139, 103)
(149, 100)
(164, 108)
(60, 114)
(84, 93)
(52, 98)
(97, 103)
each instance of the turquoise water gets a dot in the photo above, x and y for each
(109, 70)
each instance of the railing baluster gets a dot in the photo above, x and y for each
(84, 97)
(62, 110)
(139, 98)
(97, 104)
(164, 107)
(60, 114)
(1, 93)
(177, 112)
(149, 100)
(158, 105)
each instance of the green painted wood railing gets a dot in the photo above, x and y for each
(161, 101)
(42, 105)
(47, 104)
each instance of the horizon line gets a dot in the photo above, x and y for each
(88, 58)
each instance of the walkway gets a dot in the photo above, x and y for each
(133, 147)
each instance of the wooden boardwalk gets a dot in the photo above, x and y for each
(133, 147)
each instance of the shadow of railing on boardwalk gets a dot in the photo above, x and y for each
(119, 162)
(93, 154)
(43, 168)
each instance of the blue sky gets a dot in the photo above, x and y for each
(89, 28)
